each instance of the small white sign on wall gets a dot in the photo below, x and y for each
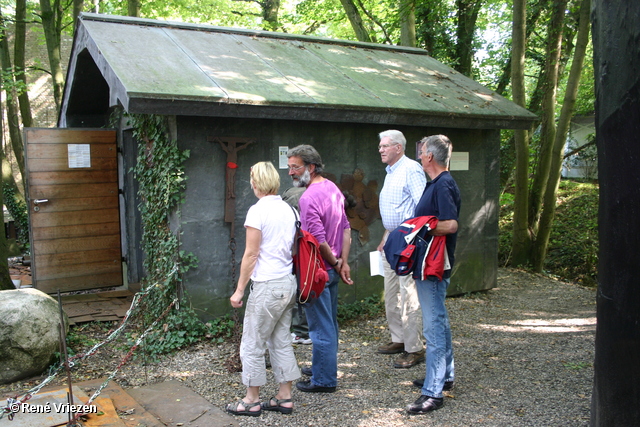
(282, 157)
(79, 155)
(459, 161)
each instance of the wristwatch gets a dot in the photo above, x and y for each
(337, 261)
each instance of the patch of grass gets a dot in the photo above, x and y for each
(573, 245)
(576, 366)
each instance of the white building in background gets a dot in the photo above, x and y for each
(585, 163)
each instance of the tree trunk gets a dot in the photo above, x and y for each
(550, 196)
(133, 8)
(548, 125)
(5, 277)
(51, 24)
(521, 240)
(356, 20)
(13, 120)
(532, 21)
(17, 207)
(78, 5)
(270, 10)
(616, 30)
(408, 23)
(19, 62)
(467, 17)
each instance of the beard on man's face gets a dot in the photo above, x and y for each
(302, 180)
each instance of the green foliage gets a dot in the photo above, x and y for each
(10, 84)
(364, 309)
(573, 245)
(241, 14)
(586, 100)
(82, 337)
(18, 210)
(160, 174)
(221, 329)
(435, 29)
(181, 328)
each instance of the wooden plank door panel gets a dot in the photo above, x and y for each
(73, 209)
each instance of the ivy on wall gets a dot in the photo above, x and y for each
(18, 210)
(159, 171)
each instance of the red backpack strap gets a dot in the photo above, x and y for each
(296, 239)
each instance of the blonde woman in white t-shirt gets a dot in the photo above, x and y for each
(267, 262)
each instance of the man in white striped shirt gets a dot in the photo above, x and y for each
(403, 187)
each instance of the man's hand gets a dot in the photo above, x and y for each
(345, 272)
(383, 241)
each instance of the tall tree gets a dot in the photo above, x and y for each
(521, 239)
(356, 20)
(562, 128)
(434, 29)
(52, 16)
(408, 23)
(5, 277)
(548, 124)
(549, 81)
(19, 62)
(9, 85)
(78, 5)
(133, 8)
(270, 9)
(466, 28)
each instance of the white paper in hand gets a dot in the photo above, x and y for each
(375, 263)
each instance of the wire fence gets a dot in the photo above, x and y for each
(14, 403)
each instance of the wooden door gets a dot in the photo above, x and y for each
(72, 190)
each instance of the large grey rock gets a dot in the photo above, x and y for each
(29, 334)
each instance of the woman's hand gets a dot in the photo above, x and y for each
(236, 299)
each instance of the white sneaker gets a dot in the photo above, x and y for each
(299, 340)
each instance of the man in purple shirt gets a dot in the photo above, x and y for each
(322, 214)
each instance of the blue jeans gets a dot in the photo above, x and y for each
(323, 331)
(437, 332)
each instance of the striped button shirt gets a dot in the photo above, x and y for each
(401, 192)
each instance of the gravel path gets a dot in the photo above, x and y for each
(524, 357)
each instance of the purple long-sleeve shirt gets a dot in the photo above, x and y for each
(322, 214)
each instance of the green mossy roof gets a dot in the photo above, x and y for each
(149, 63)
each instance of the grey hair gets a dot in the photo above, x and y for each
(395, 136)
(309, 156)
(440, 146)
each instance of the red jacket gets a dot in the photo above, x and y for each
(410, 249)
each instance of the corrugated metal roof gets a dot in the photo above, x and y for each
(176, 68)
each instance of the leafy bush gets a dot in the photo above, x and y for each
(573, 245)
(366, 308)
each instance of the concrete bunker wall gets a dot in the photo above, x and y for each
(344, 147)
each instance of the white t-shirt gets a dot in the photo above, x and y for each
(276, 221)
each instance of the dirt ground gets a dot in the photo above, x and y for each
(524, 356)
